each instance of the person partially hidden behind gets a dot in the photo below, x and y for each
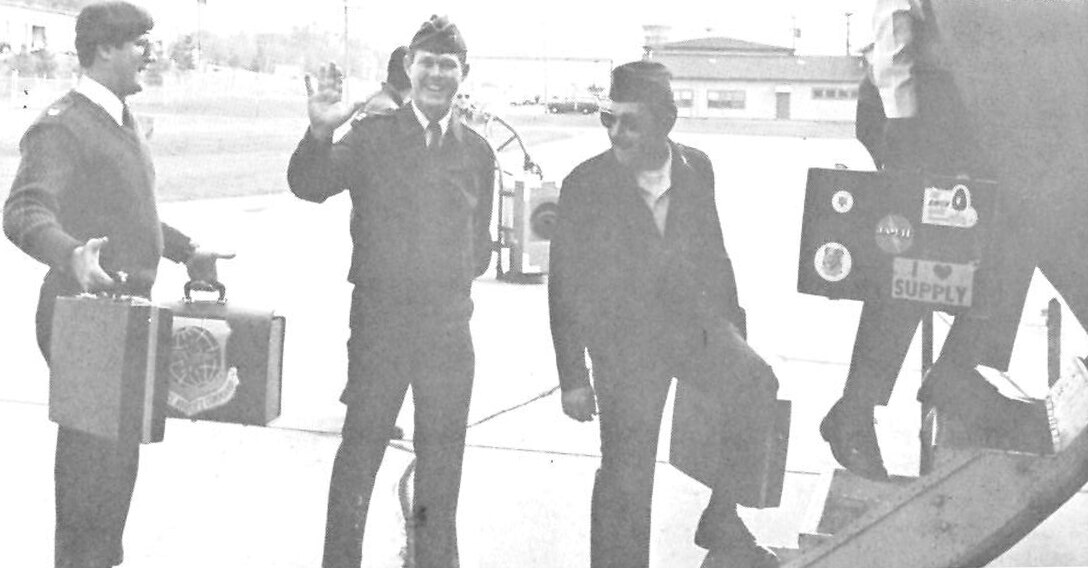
(83, 203)
(396, 90)
(639, 276)
(912, 116)
(421, 186)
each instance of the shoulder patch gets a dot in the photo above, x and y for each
(361, 119)
(57, 108)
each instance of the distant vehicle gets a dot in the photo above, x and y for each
(573, 105)
(526, 102)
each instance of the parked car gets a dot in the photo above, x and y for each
(573, 105)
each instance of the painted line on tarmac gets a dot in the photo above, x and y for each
(409, 472)
(544, 394)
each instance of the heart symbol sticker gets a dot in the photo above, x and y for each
(943, 271)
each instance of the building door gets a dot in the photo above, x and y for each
(782, 106)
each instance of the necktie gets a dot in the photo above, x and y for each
(127, 120)
(434, 136)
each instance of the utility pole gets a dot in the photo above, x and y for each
(347, 54)
(848, 14)
(199, 32)
(794, 32)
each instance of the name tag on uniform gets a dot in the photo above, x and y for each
(944, 283)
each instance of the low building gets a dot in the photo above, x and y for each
(725, 77)
(33, 26)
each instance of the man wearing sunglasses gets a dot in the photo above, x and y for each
(639, 278)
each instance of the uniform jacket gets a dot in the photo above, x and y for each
(420, 223)
(617, 286)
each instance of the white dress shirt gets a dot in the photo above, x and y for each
(101, 96)
(655, 185)
(894, 54)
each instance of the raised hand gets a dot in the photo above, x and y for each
(86, 268)
(325, 103)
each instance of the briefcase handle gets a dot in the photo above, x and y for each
(205, 286)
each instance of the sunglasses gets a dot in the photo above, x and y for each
(628, 122)
(144, 44)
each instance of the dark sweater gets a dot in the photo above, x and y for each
(420, 221)
(84, 176)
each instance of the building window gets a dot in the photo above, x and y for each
(685, 98)
(725, 99)
(37, 35)
(829, 94)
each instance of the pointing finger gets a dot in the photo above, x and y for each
(309, 85)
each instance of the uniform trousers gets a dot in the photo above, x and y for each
(386, 354)
(93, 481)
(631, 393)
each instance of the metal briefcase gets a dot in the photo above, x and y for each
(225, 362)
(108, 359)
(895, 235)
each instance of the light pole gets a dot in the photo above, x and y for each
(199, 32)
(848, 14)
(347, 55)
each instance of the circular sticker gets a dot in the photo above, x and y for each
(833, 262)
(894, 234)
(842, 201)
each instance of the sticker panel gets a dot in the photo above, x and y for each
(949, 207)
(943, 283)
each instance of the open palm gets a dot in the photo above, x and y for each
(325, 103)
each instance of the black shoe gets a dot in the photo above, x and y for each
(991, 419)
(852, 438)
(736, 547)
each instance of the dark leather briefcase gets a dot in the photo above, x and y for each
(746, 450)
(226, 361)
(728, 426)
(904, 236)
(108, 359)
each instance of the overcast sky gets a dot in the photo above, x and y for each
(547, 27)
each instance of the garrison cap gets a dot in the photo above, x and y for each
(439, 35)
(641, 82)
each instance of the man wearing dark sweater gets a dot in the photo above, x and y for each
(83, 202)
(421, 186)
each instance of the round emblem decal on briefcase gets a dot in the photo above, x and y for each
(199, 377)
(833, 262)
(894, 234)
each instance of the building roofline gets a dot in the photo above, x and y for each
(719, 44)
(37, 8)
(761, 80)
